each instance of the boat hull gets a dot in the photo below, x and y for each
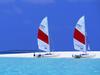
(46, 55)
(83, 55)
(59, 54)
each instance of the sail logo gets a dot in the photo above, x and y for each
(80, 46)
(45, 47)
(79, 26)
(43, 27)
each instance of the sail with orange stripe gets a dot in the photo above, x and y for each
(43, 36)
(80, 35)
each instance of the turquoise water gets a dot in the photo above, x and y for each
(49, 66)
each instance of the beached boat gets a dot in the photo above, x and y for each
(44, 40)
(80, 40)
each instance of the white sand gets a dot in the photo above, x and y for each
(66, 54)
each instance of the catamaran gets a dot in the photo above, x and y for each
(43, 39)
(79, 39)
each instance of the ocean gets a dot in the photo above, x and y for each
(49, 66)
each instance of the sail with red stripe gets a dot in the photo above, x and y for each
(80, 35)
(43, 36)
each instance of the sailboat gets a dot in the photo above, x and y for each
(80, 39)
(43, 39)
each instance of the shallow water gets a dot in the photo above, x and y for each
(49, 66)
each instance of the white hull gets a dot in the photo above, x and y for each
(43, 55)
(67, 54)
(83, 56)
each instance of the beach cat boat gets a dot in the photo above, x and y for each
(80, 41)
(44, 40)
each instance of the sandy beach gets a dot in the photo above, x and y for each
(65, 54)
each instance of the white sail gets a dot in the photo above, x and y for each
(89, 47)
(79, 35)
(43, 36)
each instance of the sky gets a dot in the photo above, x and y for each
(20, 19)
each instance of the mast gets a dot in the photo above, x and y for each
(86, 40)
(85, 35)
(48, 35)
